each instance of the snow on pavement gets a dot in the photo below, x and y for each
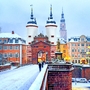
(18, 79)
(80, 86)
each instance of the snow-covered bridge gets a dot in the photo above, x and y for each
(22, 78)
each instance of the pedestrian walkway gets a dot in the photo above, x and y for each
(18, 79)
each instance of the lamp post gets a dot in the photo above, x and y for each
(46, 56)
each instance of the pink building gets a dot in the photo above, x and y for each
(78, 47)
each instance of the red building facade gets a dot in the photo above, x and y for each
(40, 44)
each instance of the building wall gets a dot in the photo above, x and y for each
(40, 46)
(77, 51)
(24, 54)
(32, 31)
(51, 33)
(52, 51)
(81, 72)
(29, 54)
(64, 50)
(86, 72)
(13, 51)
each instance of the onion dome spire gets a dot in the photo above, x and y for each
(31, 11)
(32, 19)
(51, 12)
(50, 19)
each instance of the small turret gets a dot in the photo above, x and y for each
(51, 28)
(32, 28)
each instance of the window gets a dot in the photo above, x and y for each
(11, 47)
(4, 47)
(78, 61)
(82, 39)
(52, 42)
(78, 44)
(72, 55)
(16, 41)
(16, 47)
(29, 43)
(0, 41)
(72, 50)
(16, 55)
(73, 44)
(10, 55)
(82, 50)
(52, 35)
(0, 47)
(82, 44)
(78, 55)
(78, 50)
(86, 44)
(10, 40)
(5, 41)
(75, 61)
(5, 55)
(1, 56)
(29, 36)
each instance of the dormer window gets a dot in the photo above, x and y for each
(5, 41)
(10, 40)
(16, 41)
(82, 39)
(0, 41)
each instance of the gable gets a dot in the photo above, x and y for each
(40, 44)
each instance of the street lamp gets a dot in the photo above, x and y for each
(67, 59)
(46, 56)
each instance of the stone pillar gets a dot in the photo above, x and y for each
(60, 76)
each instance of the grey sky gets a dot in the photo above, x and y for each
(14, 14)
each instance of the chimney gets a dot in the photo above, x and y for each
(12, 32)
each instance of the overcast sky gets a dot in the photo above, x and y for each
(14, 15)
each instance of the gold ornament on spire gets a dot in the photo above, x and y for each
(31, 8)
(50, 7)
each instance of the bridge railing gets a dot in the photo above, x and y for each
(41, 80)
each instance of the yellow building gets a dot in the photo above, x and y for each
(62, 47)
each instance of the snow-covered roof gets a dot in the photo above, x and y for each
(62, 41)
(9, 35)
(77, 38)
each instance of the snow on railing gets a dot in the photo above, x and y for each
(37, 84)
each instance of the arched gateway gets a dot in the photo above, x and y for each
(40, 48)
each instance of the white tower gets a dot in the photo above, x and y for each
(51, 29)
(32, 28)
